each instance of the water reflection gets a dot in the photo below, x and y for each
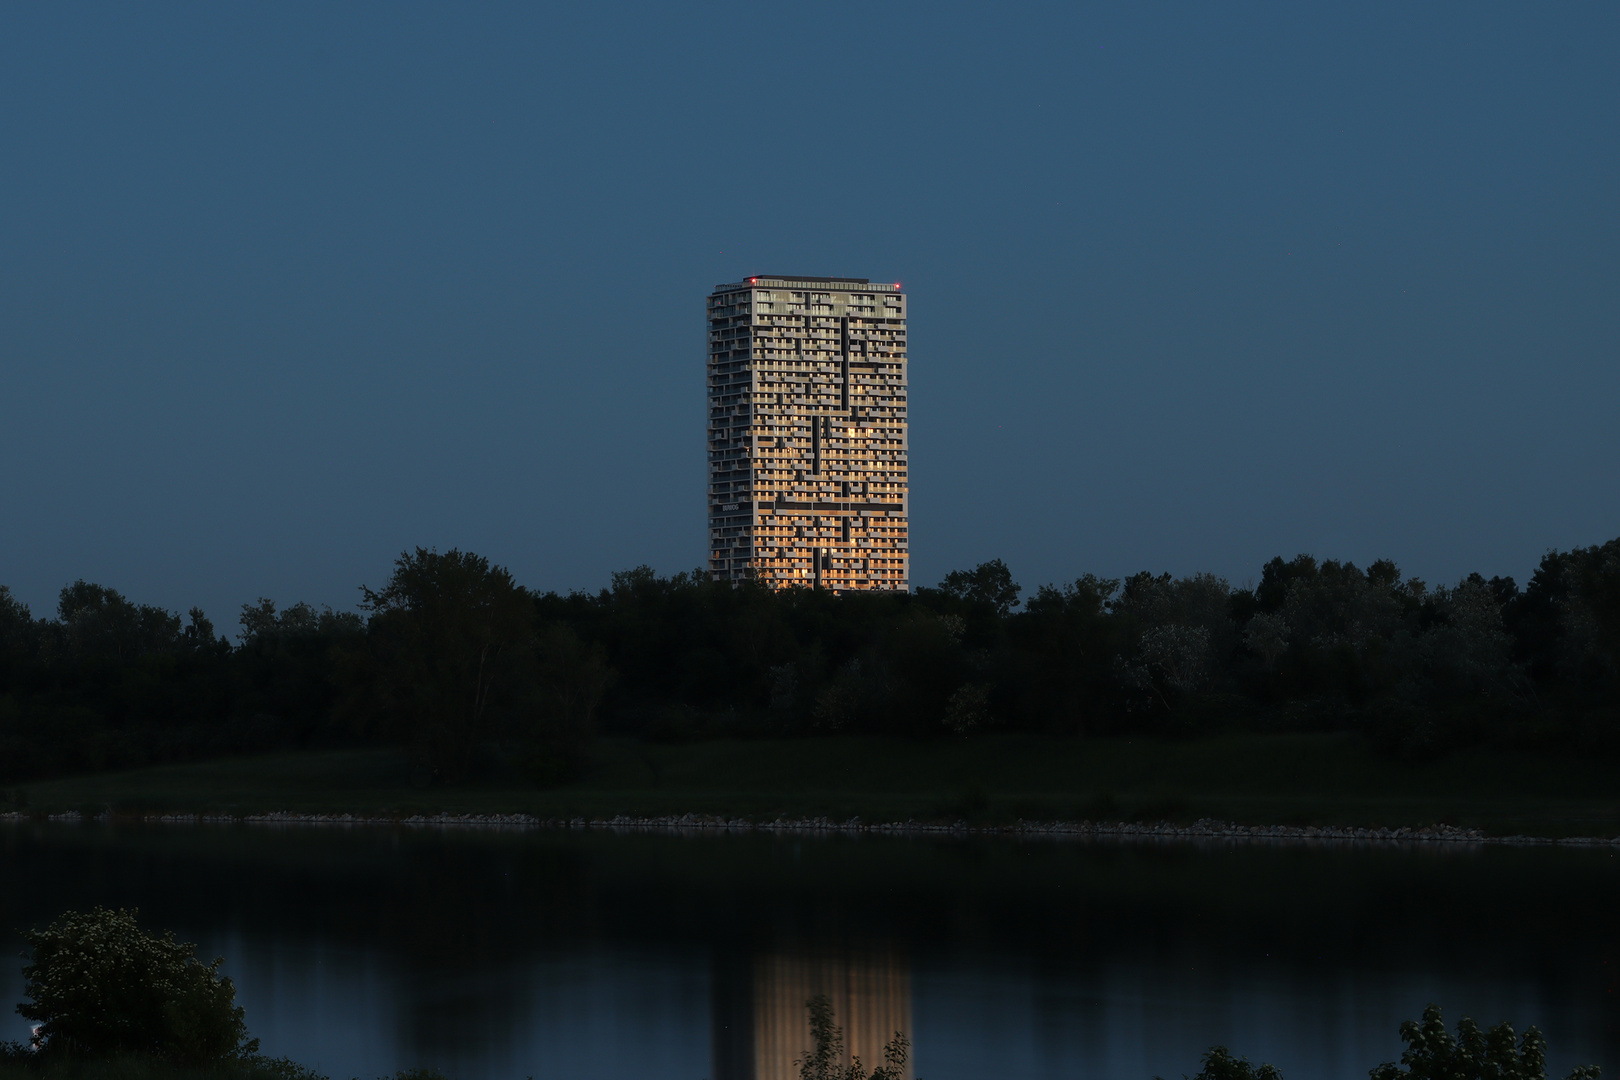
(760, 1022)
(500, 955)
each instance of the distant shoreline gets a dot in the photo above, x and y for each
(1300, 787)
(707, 824)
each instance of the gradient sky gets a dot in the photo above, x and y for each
(286, 288)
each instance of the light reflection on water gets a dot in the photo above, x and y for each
(508, 955)
(759, 1017)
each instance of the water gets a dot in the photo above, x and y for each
(513, 954)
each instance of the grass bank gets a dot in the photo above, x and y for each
(1251, 779)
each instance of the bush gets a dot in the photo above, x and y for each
(1219, 1064)
(100, 986)
(1432, 1054)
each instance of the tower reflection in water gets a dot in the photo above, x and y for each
(761, 1024)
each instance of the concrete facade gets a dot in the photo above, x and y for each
(807, 433)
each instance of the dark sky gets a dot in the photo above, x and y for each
(285, 289)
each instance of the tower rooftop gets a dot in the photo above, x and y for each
(789, 281)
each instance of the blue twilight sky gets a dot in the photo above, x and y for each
(286, 288)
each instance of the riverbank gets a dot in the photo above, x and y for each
(1297, 782)
(691, 824)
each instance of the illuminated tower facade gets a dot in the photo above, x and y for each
(807, 433)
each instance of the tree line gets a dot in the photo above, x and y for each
(468, 670)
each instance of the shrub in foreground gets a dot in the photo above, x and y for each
(1219, 1064)
(1432, 1053)
(100, 987)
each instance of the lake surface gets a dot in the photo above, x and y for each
(511, 954)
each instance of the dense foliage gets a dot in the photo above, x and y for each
(1219, 1064)
(1432, 1053)
(465, 668)
(100, 986)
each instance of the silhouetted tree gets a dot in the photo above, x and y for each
(98, 621)
(447, 657)
(988, 583)
(573, 676)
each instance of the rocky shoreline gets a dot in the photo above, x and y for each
(697, 824)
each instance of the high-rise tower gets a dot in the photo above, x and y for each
(807, 433)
